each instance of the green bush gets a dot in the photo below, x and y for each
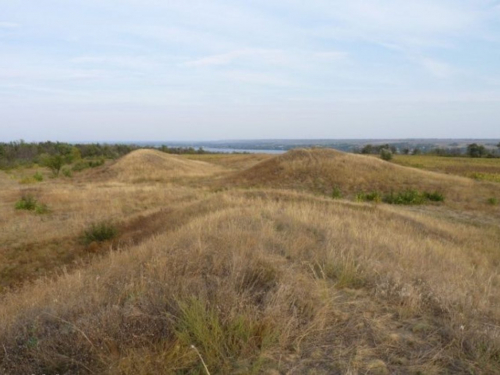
(38, 177)
(80, 166)
(492, 201)
(27, 202)
(41, 209)
(412, 197)
(84, 164)
(386, 154)
(373, 196)
(67, 172)
(96, 163)
(336, 193)
(434, 196)
(99, 232)
(405, 197)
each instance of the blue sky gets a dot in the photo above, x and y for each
(202, 70)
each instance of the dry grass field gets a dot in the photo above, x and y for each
(244, 264)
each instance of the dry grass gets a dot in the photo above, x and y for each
(259, 280)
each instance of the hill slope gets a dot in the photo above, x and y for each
(322, 170)
(271, 282)
(152, 165)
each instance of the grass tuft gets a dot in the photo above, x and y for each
(99, 232)
(27, 202)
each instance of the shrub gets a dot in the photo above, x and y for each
(374, 196)
(336, 193)
(405, 197)
(67, 172)
(80, 166)
(99, 232)
(84, 164)
(96, 163)
(38, 176)
(54, 163)
(492, 201)
(412, 197)
(41, 209)
(27, 202)
(434, 196)
(386, 154)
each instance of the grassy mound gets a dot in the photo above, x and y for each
(152, 165)
(325, 171)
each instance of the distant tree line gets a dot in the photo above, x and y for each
(472, 150)
(55, 155)
(183, 150)
(19, 153)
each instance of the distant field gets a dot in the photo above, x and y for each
(478, 168)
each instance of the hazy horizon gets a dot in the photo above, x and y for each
(197, 71)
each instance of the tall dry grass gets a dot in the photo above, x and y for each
(277, 282)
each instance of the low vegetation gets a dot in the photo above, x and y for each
(99, 232)
(27, 202)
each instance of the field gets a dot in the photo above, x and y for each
(477, 168)
(252, 264)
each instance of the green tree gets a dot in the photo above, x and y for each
(476, 151)
(367, 149)
(54, 163)
(386, 154)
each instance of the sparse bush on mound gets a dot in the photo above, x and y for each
(412, 197)
(336, 193)
(407, 197)
(373, 196)
(41, 209)
(434, 196)
(99, 232)
(67, 172)
(29, 203)
(492, 201)
(38, 177)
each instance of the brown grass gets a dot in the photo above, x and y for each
(261, 280)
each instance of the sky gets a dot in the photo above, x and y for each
(151, 70)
